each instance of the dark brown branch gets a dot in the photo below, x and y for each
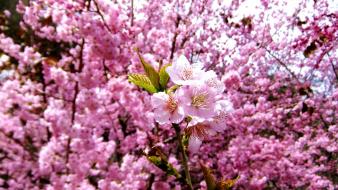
(102, 17)
(76, 92)
(333, 67)
(173, 44)
(19, 143)
(132, 13)
(88, 5)
(151, 181)
(334, 70)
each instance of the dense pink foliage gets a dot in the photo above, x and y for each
(69, 118)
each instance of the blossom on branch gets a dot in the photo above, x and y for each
(182, 73)
(167, 108)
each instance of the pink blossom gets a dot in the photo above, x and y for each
(182, 73)
(77, 123)
(194, 143)
(211, 80)
(197, 133)
(198, 100)
(223, 109)
(167, 108)
(199, 128)
(231, 79)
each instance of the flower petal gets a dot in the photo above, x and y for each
(182, 62)
(161, 117)
(194, 144)
(159, 99)
(177, 116)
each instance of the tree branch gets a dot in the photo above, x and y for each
(173, 44)
(76, 92)
(102, 17)
(283, 64)
(184, 155)
(333, 67)
(132, 13)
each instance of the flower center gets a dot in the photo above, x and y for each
(221, 117)
(187, 74)
(199, 100)
(171, 104)
(212, 82)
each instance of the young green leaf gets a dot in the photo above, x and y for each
(164, 77)
(158, 158)
(142, 81)
(150, 72)
(172, 89)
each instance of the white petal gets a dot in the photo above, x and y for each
(224, 105)
(195, 120)
(159, 98)
(182, 62)
(177, 116)
(210, 74)
(197, 65)
(171, 72)
(161, 117)
(199, 75)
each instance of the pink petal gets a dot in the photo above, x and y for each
(194, 144)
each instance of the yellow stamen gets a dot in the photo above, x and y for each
(171, 104)
(199, 100)
(187, 74)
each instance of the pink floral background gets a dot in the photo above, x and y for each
(252, 94)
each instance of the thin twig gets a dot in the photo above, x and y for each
(184, 155)
(74, 107)
(102, 17)
(151, 181)
(173, 44)
(283, 64)
(333, 67)
(132, 13)
(19, 143)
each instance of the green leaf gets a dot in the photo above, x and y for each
(172, 89)
(164, 77)
(150, 72)
(155, 160)
(142, 81)
(209, 178)
(159, 159)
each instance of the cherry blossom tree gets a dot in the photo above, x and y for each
(183, 94)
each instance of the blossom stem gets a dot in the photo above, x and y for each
(184, 155)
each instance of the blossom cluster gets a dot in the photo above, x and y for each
(70, 118)
(197, 95)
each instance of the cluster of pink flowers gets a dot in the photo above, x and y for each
(197, 95)
(264, 101)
